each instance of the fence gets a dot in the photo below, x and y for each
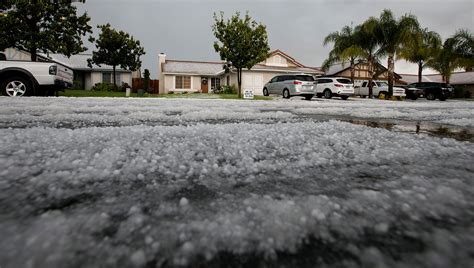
(154, 87)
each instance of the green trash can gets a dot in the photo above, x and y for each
(141, 92)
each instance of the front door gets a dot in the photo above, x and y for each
(204, 85)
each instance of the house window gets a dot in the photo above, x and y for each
(107, 78)
(183, 82)
(215, 83)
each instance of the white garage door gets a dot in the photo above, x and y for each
(253, 82)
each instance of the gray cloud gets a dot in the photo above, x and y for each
(182, 28)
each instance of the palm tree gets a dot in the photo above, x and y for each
(392, 34)
(345, 48)
(464, 48)
(457, 51)
(422, 47)
(367, 41)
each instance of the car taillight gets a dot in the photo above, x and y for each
(338, 85)
(297, 83)
(53, 69)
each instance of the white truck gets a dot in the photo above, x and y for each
(26, 78)
(378, 88)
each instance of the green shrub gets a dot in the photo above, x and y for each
(217, 90)
(124, 87)
(461, 92)
(467, 94)
(105, 87)
(232, 89)
(184, 92)
(170, 92)
(76, 85)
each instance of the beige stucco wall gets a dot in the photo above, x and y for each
(96, 77)
(278, 60)
(88, 81)
(168, 83)
(196, 84)
(127, 78)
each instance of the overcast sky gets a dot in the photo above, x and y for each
(182, 28)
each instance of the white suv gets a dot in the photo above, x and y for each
(334, 87)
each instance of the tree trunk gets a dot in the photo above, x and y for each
(113, 73)
(352, 70)
(34, 54)
(420, 71)
(239, 82)
(371, 74)
(391, 67)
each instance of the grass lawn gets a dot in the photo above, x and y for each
(111, 94)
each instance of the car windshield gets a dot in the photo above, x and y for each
(382, 84)
(304, 78)
(344, 81)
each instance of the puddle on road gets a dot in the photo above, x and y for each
(458, 133)
(415, 127)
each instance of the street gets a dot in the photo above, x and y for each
(109, 182)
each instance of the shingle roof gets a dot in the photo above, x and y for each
(79, 62)
(459, 78)
(216, 68)
(193, 67)
(336, 68)
(342, 66)
(309, 70)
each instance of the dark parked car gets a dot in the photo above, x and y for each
(412, 93)
(434, 90)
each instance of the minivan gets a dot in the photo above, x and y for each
(290, 85)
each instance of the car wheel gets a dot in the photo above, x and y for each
(308, 97)
(17, 87)
(344, 97)
(327, 94)
(430, 96)
(286, 94)
(265, 92)
(414, 97)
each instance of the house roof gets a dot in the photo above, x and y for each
(343, 66)
(286, 56)
(79, 62)
(217, 68)
(193, 67)
(458, 78)
(310, 70)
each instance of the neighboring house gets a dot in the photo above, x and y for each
(84, 76)
(200, 76)
(361, 72)
(463, 80)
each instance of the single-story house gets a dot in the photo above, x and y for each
(84, 76)
(463, 80)
(201, 76)
(361, 71)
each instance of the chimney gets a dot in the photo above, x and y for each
(161, 78)
(161, 61)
